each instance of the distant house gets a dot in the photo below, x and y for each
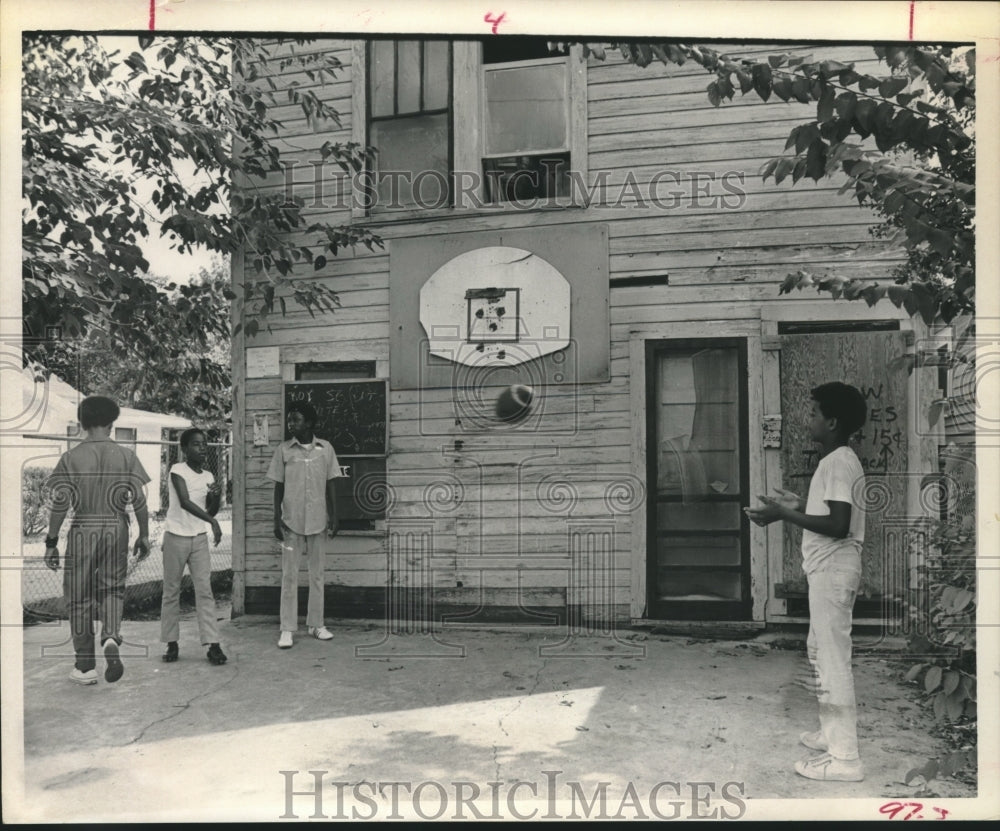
(50, 427)
(601, 233)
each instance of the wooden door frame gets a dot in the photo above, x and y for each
(681, 323)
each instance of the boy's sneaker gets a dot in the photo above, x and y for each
(814, 741)
(321, 632)
(285, 641)
(115, 668)
(171, 654)
(826, 768)
(215, 654)
(86, 678)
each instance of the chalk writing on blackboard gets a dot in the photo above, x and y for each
(351, 415)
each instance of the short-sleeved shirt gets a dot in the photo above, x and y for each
(97, 480)
(304, 469)
(839, 477)
(181, 522)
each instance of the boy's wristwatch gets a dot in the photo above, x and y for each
(51, 542)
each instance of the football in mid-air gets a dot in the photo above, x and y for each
(514, 403)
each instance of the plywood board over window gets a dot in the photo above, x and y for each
(860, 359)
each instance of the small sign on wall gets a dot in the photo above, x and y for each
(260, 429)
(263, 362)
(772, 431)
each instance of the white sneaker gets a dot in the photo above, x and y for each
(285, 641)
(827, 768)
(87, 678)
(322, 633)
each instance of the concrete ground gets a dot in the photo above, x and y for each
(665, 721)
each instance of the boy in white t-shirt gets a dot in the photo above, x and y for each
(194, 500)
(833, 523)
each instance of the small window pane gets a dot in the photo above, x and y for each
(698, 516)
(526, 109)
(523, 178)
(698, 551)
(408, 76)
(382, 80)
(698, 424)
(436, 75)
(511, 48)
(334, 370)
(674, 585)
(412, 145)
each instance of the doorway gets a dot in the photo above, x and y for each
(698, 542)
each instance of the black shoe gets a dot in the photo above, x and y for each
(171, 654)
(215, 654)
(115, 668)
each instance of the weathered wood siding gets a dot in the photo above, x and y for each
(538, 519)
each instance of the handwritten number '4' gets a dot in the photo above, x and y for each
(496, 21)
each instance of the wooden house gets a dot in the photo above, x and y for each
(600, 234)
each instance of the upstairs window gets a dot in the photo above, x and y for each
(409, 123)
(526, 120)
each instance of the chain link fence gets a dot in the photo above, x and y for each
(42, 588)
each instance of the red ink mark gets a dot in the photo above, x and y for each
(912, 4)
(908, 810)
(496, 21)
(152, 15)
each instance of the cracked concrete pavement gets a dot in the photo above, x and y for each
(531, 711)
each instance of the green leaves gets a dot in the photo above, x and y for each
(94, 124)
(761, 77)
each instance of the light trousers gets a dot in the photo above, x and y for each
(193, 552)
(832, 591)
(292, 549)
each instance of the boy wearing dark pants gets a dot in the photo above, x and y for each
(833, 523)
(194, 500)
(97, 480)
(303, 470)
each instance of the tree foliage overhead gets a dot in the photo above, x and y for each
(159, 372)
(116, 143)
(920, 174)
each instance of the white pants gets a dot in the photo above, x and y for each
(292, 549)
(832, 591)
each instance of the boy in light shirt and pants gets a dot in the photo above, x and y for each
(303, 470)
(833, 523)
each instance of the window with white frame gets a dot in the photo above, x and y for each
(525, 96)
(507, 126)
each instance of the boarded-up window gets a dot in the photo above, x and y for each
(862, 360)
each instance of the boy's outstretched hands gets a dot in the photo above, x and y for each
(774, 509)
(790, 500)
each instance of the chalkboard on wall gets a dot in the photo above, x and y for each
(351, 415)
